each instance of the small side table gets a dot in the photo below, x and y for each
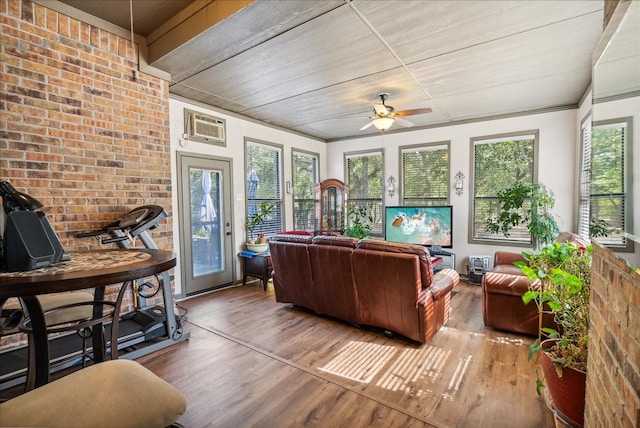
(257, 265)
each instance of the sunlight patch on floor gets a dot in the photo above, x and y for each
(456, 379)
(415, 366)
(360, 361)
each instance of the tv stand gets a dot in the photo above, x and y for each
(448, 259)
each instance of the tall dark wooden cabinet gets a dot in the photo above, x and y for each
(331, 203)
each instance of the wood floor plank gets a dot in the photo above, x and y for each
(253, 362)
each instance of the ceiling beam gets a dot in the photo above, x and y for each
(190, 22)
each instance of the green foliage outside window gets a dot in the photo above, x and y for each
(499, 165)
(305, 175)
(607, 191)
(365, 182)
(425, 173)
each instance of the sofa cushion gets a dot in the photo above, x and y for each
(334, 291)
(340, 241)
(117, 393)
(424, 258)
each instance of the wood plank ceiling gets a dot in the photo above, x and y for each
(316, 67)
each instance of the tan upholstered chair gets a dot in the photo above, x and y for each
(118, 393)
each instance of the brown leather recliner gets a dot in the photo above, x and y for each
(396, 288)
(292, 270)
(502, 290)
(369, 282)
(332, 276)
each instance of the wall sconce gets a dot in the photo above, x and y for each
(289, 188)
(459, 183)
(391, 186)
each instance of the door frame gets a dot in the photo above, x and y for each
(181, 218)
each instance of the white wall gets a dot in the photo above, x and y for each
(237, 129)
(556, 166)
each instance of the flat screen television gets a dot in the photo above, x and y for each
(429, 226)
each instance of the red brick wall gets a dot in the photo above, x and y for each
(613, 370)
(80, 128)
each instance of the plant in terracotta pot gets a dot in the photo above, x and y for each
(560, 275)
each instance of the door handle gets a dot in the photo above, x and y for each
(228, 233)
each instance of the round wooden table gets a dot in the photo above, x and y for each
(90, 269)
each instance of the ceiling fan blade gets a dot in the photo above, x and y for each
(366, 126)
(381, 109)
(404, 122)
(413, 112)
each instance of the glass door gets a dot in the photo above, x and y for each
(205, 223)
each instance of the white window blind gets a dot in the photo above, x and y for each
(585, 181)
(499, 163)
(263, 183)
(425, 174)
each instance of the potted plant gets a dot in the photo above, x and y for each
(359, 221)
(529, 205)
(560, 275)
(256, 220)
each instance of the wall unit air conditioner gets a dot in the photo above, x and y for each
(203, 127)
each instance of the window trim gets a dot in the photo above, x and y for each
(401, 149)
(535, 133)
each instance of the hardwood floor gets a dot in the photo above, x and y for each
(253, 362)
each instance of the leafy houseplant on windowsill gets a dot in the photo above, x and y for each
(528, 204)
(359, 221)
(257, 219)
(560, 275)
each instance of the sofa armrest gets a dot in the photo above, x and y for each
(505, 283)
(443, 282)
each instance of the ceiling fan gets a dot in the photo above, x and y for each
(385, 115)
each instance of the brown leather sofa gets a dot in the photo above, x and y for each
(366, 282)
(502, 290)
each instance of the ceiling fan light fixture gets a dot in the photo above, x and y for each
(383, 123)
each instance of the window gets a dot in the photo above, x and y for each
(263, 183)
(305, 175)
(365, 179)
(604, 187)
(498, 163)
(425, 174)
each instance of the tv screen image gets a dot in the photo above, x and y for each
(430, 226)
